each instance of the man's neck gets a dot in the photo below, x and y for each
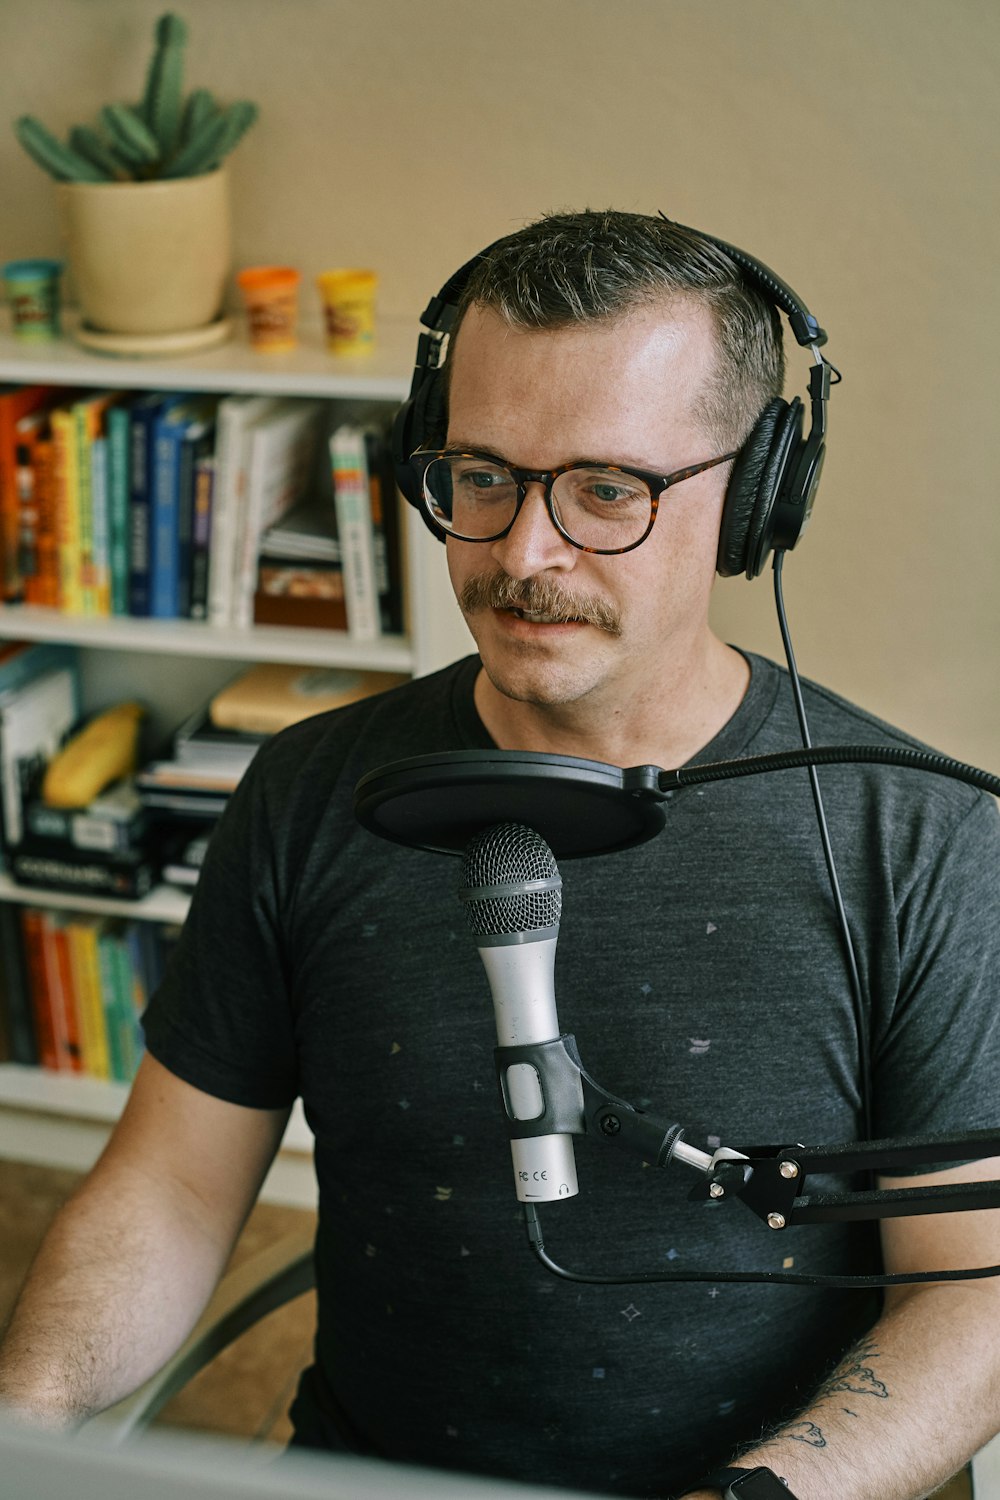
(665, 727)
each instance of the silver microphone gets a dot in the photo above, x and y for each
(513, 898)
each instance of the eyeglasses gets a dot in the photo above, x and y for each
(602, 508)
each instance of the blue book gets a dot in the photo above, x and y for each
(173, 426)
(197, 445)
(144, 413)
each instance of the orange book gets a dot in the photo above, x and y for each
(13, 406)
(42, 587)
(62, 996)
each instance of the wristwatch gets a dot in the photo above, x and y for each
(748, 1484)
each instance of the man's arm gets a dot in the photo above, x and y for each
(132, 1258)
(916, 1398)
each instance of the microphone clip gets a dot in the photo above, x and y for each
(573, 1103)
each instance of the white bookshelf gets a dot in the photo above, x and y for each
(63, 1120)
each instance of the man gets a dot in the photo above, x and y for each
(701, 973)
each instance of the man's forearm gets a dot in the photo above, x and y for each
(904, 1410)
(119, 1281)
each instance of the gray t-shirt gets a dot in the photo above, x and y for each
(703, 977)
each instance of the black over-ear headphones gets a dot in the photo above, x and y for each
(774, 478)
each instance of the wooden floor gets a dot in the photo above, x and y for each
(247, 1389)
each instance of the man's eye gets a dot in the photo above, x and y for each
(483, 479)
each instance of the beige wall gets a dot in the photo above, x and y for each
(850, 144)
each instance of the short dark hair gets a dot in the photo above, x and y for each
(585, 267)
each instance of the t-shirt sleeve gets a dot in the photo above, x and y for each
(222, 1016)
(937, 1065)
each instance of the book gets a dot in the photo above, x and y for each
(35, 718)
(384, 507)
(200, 742)
(114, 820)
(176, 422)
(127, 874)
(235, 416)
(184, 792)
(307, 533)
(118, 423)
(62, 995)
(184, 857)
(142, 417)
(41, 586)
(101, 536)
(66, 503)
(88, 417)
(129, 1001)
(32, 943)
(14, 404)
(306, 595)
(82, 936)
(28, 433)
(272, 696)
(201, 535)
(280, 460)
(18, 1042)
(349, 467)
(197, 448)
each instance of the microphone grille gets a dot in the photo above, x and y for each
(496, 862)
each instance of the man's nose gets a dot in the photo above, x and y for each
(533, 544)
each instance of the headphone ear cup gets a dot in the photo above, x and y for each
(420, 420)
(753, 487)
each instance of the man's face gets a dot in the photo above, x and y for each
(621, 392)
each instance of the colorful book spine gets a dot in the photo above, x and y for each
(43, 587)
(354, 530)
(19, 1042)
(14, 404)
(118, 1054)
(26, 434)
(85, 509)
(84, 958)
(143, 414)
(34, 955)
(101, 539)
(62, 995)
(118, 421)
(201, 536)
(66, 490)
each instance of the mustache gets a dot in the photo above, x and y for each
(538, 597)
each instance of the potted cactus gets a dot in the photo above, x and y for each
(143, 204)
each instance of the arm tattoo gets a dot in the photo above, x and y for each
(855, 1374)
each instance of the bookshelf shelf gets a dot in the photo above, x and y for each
(383, 375)
(279, 643)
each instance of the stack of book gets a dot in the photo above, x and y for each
(177, 505)
(72, 990)
(187, 792)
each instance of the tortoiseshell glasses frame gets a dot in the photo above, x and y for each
(421, 461)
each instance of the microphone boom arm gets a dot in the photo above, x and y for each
(770, 1180)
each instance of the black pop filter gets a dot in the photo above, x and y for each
(438, 802)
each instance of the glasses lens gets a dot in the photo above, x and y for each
(470, 497)
(602, 508)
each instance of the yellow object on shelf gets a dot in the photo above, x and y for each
(102, 752)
